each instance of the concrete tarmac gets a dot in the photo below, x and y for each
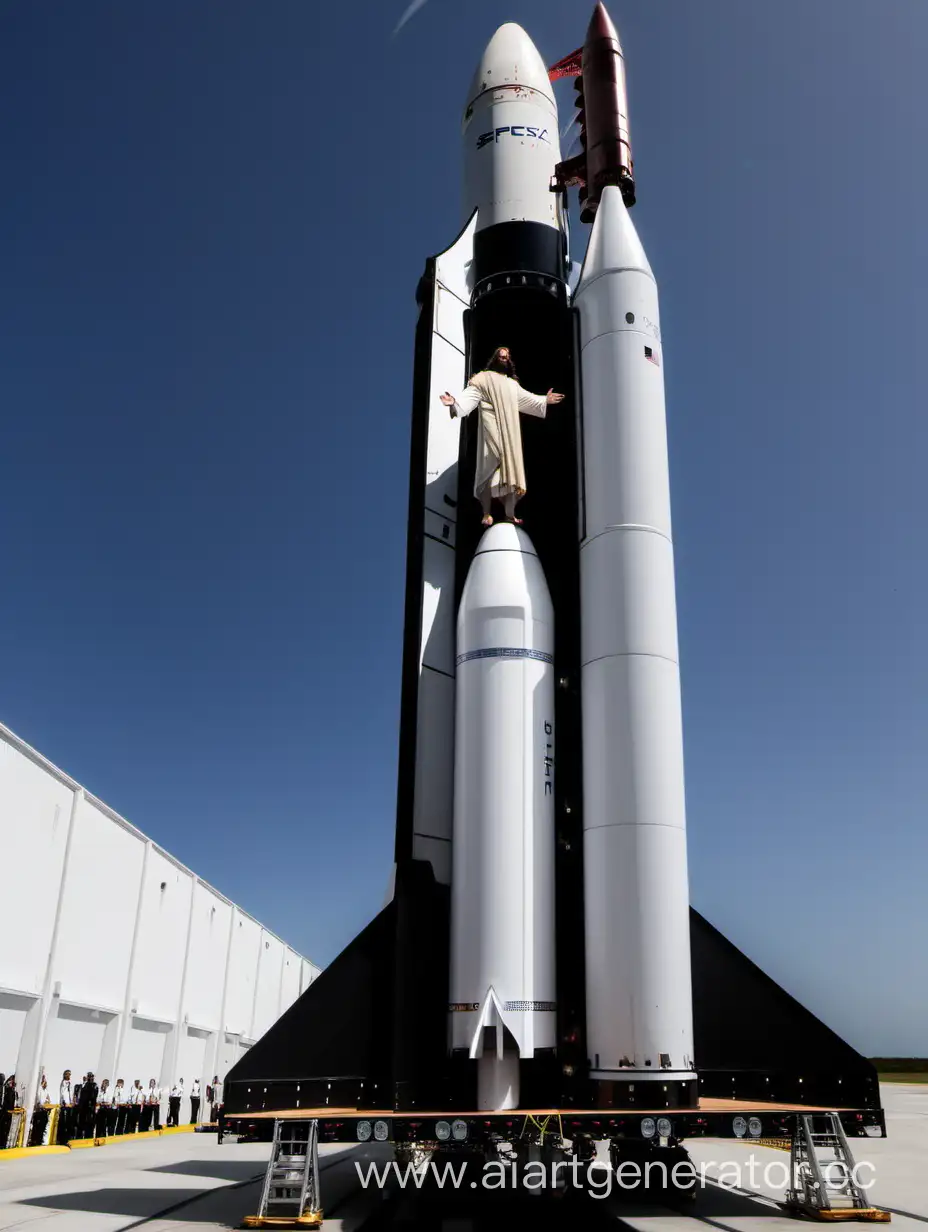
(153, 1185)
(187, 1181)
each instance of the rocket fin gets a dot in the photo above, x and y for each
(372, 1027)
(491, 1015)
(754, 1040)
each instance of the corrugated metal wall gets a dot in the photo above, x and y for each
(170, 980)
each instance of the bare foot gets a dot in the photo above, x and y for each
(487, 520)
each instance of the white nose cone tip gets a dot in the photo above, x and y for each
(502, 887)
(510, 59)
(613, 245)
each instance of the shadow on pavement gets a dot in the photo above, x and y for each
(221, 1169)
(713, 1201)
(189, 1205)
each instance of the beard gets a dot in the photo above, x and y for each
(505, 366)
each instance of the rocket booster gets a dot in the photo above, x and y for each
(636, 898)
(502, 890)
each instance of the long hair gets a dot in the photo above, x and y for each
(495, 364)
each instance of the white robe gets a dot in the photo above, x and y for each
(499, 438)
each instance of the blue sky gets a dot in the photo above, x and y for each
(214, 220)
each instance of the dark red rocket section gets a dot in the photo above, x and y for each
(608, 149)
(606, 157)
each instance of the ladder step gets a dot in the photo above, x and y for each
(291, 1178)
(823, 1185)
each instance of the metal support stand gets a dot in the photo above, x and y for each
(823, 1182)
(290, 1197)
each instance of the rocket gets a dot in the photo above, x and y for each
(502, 887)
(597, 518)
(636, 896)
(537, 950)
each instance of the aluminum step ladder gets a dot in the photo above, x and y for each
(290, 1197)
(823, 1179)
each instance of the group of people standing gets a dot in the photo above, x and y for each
(89, 1110)
(86, 1110)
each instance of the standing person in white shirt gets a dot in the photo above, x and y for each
(104, 1125)
(177, 1094)
(152, 1115)
(195, 1102)
(38, 1127)
(120, 1095)
(134, 1100)
(65, 1106)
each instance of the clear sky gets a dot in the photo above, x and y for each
(213, 219)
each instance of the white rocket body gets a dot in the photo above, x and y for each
(502, 888)
(511, 144)
(636, 897)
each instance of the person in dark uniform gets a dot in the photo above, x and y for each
(87, 1107)
(8, 1101)
(5, 1118)
(213, 1098)
(195, 1102)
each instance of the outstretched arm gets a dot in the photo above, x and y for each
(464, 403)
(537, 404)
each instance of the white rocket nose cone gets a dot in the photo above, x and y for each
(505, 537)
(613, 243)
(510, 59)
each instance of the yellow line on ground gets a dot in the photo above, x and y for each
(24, 1152)
(77, 1144)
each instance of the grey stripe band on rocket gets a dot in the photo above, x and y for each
(505, 652)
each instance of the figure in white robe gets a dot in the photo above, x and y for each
(500, 470)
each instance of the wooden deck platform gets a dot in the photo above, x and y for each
(706, 1104)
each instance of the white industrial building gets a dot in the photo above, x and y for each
(160, 977)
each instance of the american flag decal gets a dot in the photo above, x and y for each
(649, 354)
